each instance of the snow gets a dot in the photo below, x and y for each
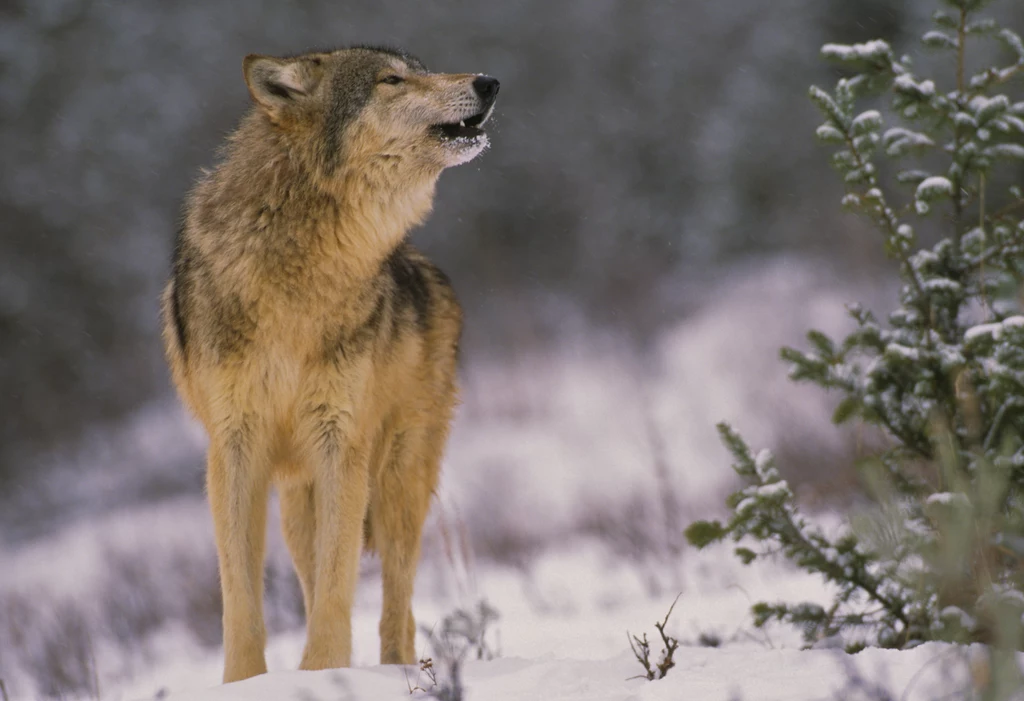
(866, 121)
(934, 187)
(948, 499)
(775, 489)
(994, 329)
(902, 351)
(943, 284)
(965, 120)
(745, 505)
(705, 674)
(1006, 151)
(570, 609)
(1013, 40)
(1013, 122)
(984, 106)
(906, 83)
(827, 132)
(931, 188)
(562, 635)
(937, 38)
(1009, 594)
(980, 330)
(965, 620)
(898, 139)
(854, 52)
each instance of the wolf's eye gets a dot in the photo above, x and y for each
(393, 80)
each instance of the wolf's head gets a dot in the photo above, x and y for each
(363, 106)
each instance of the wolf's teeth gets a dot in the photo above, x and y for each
(462, 123)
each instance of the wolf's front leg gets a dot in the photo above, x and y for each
(340, 488)
(237, 484)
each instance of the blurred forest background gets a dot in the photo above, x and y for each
(638, 147)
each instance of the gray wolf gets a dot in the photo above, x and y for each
(315, 345)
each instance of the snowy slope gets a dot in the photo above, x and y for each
(701, 674)
(576, 603)
(562, 635)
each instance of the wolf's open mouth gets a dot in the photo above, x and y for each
(468, 128)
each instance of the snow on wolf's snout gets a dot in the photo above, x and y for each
(380, 103)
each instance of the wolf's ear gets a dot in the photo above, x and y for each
(277, 83)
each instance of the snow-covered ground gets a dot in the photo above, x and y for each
(562, 634)
(709, 675)
(569, 613)
(572, 472)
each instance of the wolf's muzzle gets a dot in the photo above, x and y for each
(486, 89)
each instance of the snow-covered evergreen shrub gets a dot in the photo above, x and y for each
(943, 553)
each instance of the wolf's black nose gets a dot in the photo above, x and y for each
(487, 88)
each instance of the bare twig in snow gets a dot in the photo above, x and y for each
(642, 650)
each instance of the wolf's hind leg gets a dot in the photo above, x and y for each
(238, 487)
(400, 502)
(298, 524)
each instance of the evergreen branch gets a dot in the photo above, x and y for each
(790, 534)
(837, 573)
(997, 422)
(961, 173)
(857, 577)
(993, 77)
(886, 218)
(914, 443)
(1012, 207)
(961, 42)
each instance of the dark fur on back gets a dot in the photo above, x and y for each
(411, 286)
(403, 298)
(179, 275)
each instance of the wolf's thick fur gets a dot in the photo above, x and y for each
(314, 344)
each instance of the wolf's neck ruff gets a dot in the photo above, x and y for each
(342, 226)
(377, 213)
